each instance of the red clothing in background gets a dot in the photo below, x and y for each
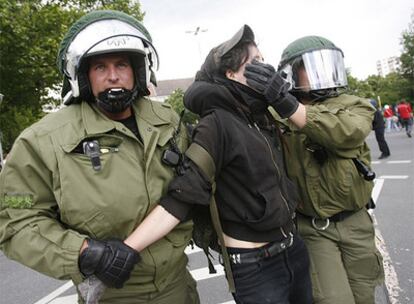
(405, 111)
(388, 113)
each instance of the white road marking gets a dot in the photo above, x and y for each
(391, 280)
(55, 293)
(391, 162)
(203, 273)
(72, 299)
(398, 162)
(377, 189)
(189, 250)
(394, 176)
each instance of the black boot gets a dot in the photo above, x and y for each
(383, 156)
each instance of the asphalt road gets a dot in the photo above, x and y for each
(394, 215)
(395, 211)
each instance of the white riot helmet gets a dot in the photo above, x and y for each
(104, 32)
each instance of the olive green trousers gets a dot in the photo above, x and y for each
(183, 290)
(345, 263)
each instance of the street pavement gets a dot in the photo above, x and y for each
(395, 212)
(393, 218)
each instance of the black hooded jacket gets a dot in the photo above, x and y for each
(254, 196)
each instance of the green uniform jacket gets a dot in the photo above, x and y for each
(338, 125)
(52, 199)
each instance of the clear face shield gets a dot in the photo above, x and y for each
(317, 70)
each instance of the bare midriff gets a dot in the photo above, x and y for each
(232, 242)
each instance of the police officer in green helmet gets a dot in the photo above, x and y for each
(80, 180)
(327, 157)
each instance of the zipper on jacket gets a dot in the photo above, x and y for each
(274, 163)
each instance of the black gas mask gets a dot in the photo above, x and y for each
(116, 100)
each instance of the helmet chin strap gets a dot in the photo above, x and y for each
(116, 100)
(315, 95)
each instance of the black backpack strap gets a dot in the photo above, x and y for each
(205, 162)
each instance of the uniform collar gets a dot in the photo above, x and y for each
(97, 123)
(154, 115)
(94, 120)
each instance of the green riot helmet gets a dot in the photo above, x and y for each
(322, 62)
(104, 32)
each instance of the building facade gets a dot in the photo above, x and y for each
(388, 65)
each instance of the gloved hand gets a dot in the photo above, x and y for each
(110, 261)
(264, 79)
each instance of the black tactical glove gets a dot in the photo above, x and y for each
(264, 79)
(110, 261)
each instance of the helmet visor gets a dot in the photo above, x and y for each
(324, 69)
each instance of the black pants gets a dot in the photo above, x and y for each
(382, 144)
(280, 279)
(407, 124)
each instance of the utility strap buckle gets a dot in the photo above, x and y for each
(323, 227)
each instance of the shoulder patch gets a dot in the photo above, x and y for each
(17, 201)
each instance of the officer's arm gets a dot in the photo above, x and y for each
(192, 188)
(30, 230)
(155, 226)
(342, 127)
(299, 117)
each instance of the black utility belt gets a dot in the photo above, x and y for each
(261, 253)
(339, 217)
(322, 224)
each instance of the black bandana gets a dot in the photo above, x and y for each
(253, 100)
(116, 100)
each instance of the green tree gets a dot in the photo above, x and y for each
(407, 58)
(30, 35)
(389, 89)
(359, 87)
(177, 103)
(28, 44)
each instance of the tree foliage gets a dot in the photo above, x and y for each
(30, 35)
(359, 87)
(389, 89)
(407, 57)
(177, 103)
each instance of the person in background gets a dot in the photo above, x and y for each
(379, 127)
(406, 114)
(328, 158)
(80, 180)
(388, 114)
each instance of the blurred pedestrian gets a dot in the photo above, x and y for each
(379, 128)
(406, 113)
(388, 115)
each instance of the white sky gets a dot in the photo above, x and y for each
(366, 30)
